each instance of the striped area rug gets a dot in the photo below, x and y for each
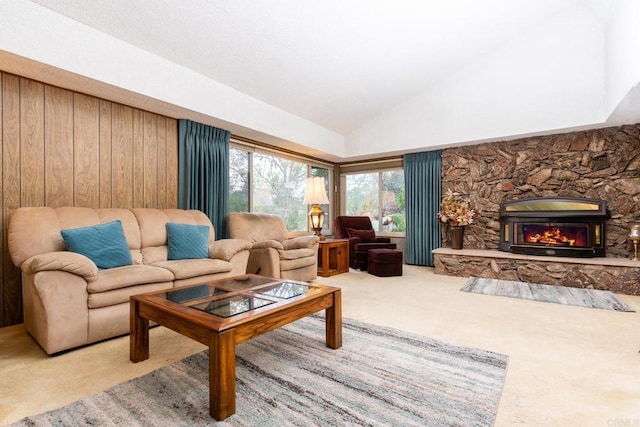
(288, 377)
(592, 298)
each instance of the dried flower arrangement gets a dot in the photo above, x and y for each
(456, 210)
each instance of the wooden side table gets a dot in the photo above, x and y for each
(333, 257)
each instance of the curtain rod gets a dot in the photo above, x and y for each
(241, 140)
(247, 142)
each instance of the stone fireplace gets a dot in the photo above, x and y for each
(554, 226)
(600, 164)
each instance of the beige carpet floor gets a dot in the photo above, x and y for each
(568, 366)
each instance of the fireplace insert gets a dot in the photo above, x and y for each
(554, 226)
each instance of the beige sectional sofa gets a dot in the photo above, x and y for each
(68, 301)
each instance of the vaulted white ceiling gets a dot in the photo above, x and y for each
(353, 78)
(337, 63)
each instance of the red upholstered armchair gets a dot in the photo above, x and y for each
(362, 237)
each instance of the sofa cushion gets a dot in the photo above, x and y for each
(131, 275)
(186, 241)
(123, 295)
(153, 229)
(33, 231)
(104, 244)
(365, 236)
(256, 227)
(186, 268)
(75, 217)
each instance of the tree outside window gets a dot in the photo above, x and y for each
(393, 201)
(362, 196)
(279, 187)
(238, 181)
(380, 196)
(273, 185)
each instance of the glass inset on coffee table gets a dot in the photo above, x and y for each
(223, 313)
(244, 282)
(237, 304)
(192, 293)
(211, 298)
(285, 289)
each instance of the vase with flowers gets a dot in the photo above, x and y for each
(456, 212)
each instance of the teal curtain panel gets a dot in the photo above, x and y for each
(203, 172)
(423, 180)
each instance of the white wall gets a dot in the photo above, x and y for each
(622, 53)
(567, 73)
(36, 33)
(549, 78)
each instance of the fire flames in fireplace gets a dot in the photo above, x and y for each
(554, 235)
(551, 236)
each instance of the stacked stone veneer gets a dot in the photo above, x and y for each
(619, 277)
(598, 164)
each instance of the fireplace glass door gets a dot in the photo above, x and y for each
(554, 226)
(574, 235)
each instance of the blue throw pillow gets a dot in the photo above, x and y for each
(187, 241)
(104, 244)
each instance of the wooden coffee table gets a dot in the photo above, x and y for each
(223, 313)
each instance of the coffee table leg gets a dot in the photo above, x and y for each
(334, 321)
(222, 374)
(139, 334)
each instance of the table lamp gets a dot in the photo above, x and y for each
(316, 195)
(634, 236)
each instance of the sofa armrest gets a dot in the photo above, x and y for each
(300, 242)
(294, 234)
(377, 245)
(383, 240)
(70, 262)
(265, 244)
(226, 248)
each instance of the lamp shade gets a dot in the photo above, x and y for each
(316, 193)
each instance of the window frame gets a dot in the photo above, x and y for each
(253, 149)
(362, 171)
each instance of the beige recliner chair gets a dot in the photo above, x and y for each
(275, 252)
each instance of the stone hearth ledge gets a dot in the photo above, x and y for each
(619, 275)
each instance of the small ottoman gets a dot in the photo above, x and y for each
(385, 262)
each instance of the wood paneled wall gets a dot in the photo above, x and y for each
(62, 148)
